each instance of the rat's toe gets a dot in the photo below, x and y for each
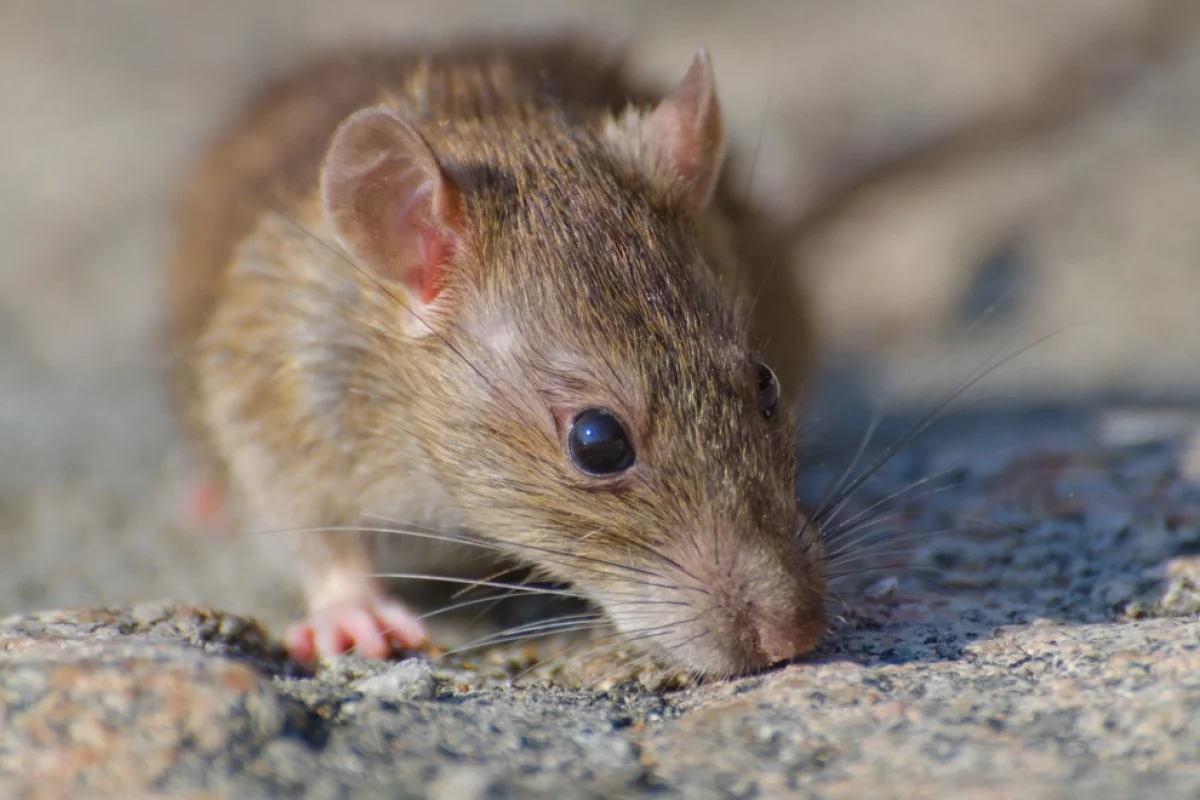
(368, 628)
(299, 642)
(364, 633)
(400, 626)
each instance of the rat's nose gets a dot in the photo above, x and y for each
(785, 640)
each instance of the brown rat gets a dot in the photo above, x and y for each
(503, 290)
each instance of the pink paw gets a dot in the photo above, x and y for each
(369, 627)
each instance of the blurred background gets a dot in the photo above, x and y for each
(961, 179)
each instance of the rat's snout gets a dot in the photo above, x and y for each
(765, 613)
(784, 639)
(737, 609)
(757, 606)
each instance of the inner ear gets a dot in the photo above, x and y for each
(392, 206)
(684, 135)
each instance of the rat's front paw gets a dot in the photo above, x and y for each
(368, 627)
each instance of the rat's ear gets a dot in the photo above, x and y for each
(683, 135)
(393, 208)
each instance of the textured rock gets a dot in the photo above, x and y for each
(96, 704)
(1042, 702)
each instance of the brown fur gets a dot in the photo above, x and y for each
(583, 280)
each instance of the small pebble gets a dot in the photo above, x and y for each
(411, 679)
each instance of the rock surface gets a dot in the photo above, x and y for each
(1052, 655)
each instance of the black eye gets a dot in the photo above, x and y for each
(768, 390)
(598, 443)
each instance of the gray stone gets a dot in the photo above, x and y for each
(411, 679)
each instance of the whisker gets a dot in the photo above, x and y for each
(572, 558)
(417, 576)
(872, 529)
(869, 526)
(914, 569)
(876, 525)
(850, 554)
(448, 538)
(834, 530)
(492, 604)
(930, 418)
(491, 577)
(878, 529)
(637, 664)
(969, 524)
(626, 599)
(875, 554)
(852, 524)
(556, 621)
(420, 534)
(846, 556)
(612, 641)
(468, 539)
(876, 419)
(476, 601)
(509, 636)
(508, 639)
(836, 596)
(517, 631)
(819, 513)
(571, 653)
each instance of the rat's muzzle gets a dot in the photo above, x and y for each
(726, 608)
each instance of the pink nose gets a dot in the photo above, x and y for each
(779, 643)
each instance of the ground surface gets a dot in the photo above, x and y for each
(1056, 658)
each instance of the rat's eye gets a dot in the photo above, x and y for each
(598, 443)
(768, 389)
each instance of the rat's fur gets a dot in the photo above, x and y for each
(584, 277)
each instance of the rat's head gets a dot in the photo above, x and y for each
(596, 403)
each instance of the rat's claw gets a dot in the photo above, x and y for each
(368, 628)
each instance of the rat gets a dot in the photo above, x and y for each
(501, 289)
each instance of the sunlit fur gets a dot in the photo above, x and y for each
(581, 280)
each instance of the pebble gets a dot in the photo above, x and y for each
(411, 679)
